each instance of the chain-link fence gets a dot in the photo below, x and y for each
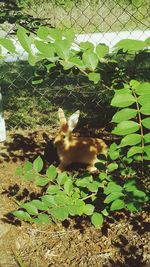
(30, 105)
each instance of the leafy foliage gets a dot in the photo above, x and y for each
(56, 59)
(135, 128)
(64, 195)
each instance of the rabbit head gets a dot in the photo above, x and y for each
(66, 128)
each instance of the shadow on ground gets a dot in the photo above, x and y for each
(21, 147)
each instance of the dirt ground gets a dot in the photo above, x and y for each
(124, 239)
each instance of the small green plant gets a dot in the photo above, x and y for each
(67, 196)
(133, 118)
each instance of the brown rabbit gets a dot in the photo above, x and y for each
(72, 149)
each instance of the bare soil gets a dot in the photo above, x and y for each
(122, 241)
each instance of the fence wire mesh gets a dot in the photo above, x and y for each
(28, 105)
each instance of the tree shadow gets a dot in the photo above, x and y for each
(21, 148)
(140, 225)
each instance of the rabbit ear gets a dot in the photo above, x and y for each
(61, 116)
(73, 120)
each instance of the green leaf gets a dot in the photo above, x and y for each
(37, 80)
(86, 46)
(69, 34)
(22, 215)
(53, 189)
(127, 160)
(36, 220)
(145, 109)
(112, 187)
(8, 44)
(134, 84)
(68, 186)
(80, 204)
(61, 198)
(90, 59)
(146, 123)
(43, 32)
(118, 204)
(29, 175)
(147, 150)
(77, 208)
(147, 40)
(130, 140)
(122, 100)
(48, 200)
(111, 197)
(39, 204)
(93, 187)
(134, 150)
(147, 138)
(28, 166)
(88, 209)
(114, 154)
(139, 195)
(131, 206)
(112, 167)
(49, 66)
(102, 176)
(77, 62)
(56, 34)
(30, 208)
(19, 171)
(75, 196)
(33, 59)
(46, 49)
(63, 49)
(62, 178)
(144, 99)
(42, 181)
(102, 50)
(59, 213)
(24, 39)
(97, 219)
(94, 77)
(124, 114)
(143, 88)
(84, 182)
(113, 147)
(126, 127)
(130, 45)
(66, 64)
(126, 90)
(130, 185)
(43, 218)
(51, 172)
(38, 164)
(105, 212)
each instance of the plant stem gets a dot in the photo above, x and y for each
(94, 194)
(140, 123)
(18, 259)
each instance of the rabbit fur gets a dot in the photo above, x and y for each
(72, 149)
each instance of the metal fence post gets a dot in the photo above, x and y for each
(2, 122)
